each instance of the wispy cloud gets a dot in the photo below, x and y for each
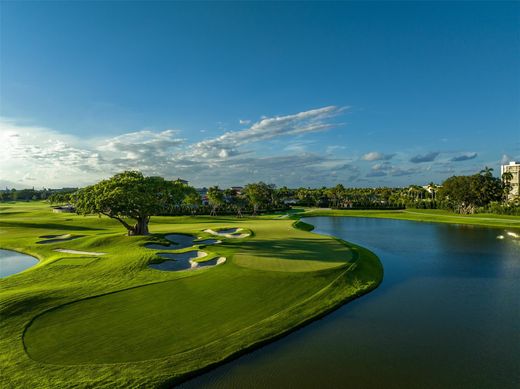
(227, 145)
(54, 158)
(388, 169)
(377, 156)
(429, 157)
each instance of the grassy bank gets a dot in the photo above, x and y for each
(111, 321)
(422, 215)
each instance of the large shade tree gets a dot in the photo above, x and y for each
(465, 193)
(131, 199)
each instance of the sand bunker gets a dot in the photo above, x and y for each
(211, 262)
(180, 242)
(78, 252)
(185, 261)
(64, 236)
(57, 238)
(232, 233)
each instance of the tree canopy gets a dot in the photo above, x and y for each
(131, 199)
(259, 194)
(465, 193)
(215, 198)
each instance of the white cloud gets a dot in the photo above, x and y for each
(267, 128)
(377, 156)
(56, 159)
(387, 169)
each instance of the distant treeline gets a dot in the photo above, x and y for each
(480, 192)
(32, 194)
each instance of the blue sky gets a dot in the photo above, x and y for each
(297, 94)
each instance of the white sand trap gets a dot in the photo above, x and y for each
(78, 252)
(514, 235)
(228, 233)
(210, 263)
(64, 236)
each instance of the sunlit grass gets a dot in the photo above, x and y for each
(123, 324)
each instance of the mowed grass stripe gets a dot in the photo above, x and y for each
(163, 319)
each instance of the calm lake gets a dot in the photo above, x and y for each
(447, 315)
(12, 262)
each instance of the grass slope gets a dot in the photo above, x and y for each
(123, 324)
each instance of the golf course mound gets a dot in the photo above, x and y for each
(75, 261)
(232, 233)
(301, 255)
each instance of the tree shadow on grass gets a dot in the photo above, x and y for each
(48, 226)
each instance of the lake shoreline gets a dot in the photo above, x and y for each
(419, 215)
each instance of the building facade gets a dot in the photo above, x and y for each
(514, 169)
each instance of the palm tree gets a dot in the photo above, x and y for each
(486, 172)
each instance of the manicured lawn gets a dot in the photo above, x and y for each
(123, 324)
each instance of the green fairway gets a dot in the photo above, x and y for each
(124, 324)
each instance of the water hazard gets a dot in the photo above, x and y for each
(12, 262)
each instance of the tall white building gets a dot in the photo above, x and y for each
(514, 169)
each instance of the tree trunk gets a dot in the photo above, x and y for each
(140, 227)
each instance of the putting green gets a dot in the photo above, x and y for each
(293, 255)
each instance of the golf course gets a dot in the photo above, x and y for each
(97, 310)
